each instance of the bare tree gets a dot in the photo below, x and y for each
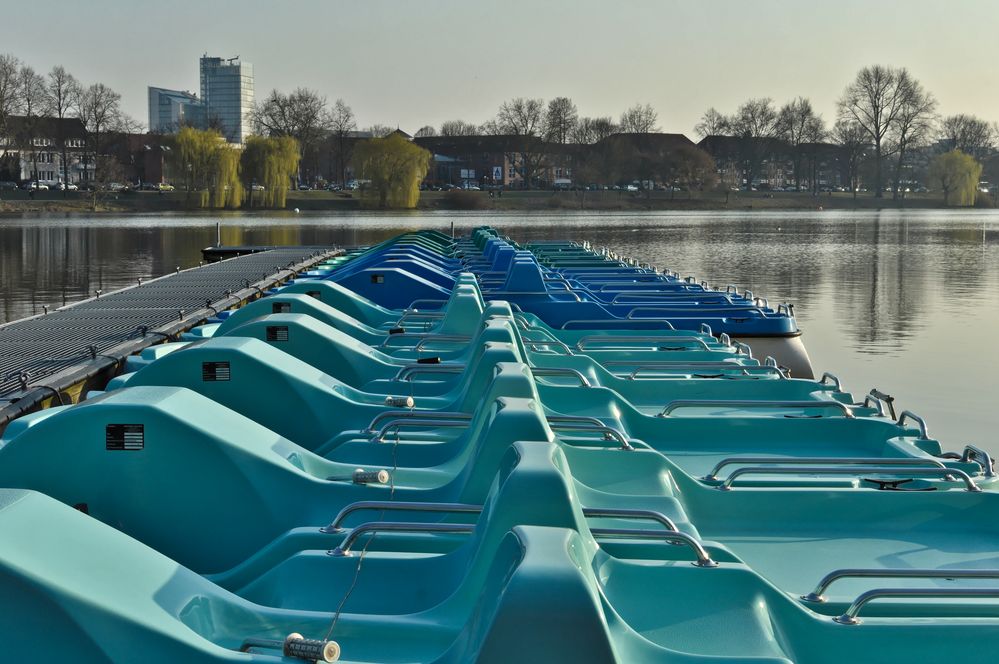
(756, 124)
(62, 91)
(640, 119)
(302, 115)
(524, 119)
(969, 134)
(342, 122)
(10, 83)
(99, 109)
(913, 124)
(458, 128)
(379, 130)
(852, 140)
(591, 130)
(425, 131)
(800, 127)
(561, 118)
(874, 100)
(31, 89)
(521, 117)
(712, 123)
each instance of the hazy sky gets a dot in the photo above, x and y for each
(416, 63)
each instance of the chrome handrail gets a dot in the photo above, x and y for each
(397, 506)
(818, 594)
(850, 617)
(416, 415)
(378, 436)
(397, 527)
(703, 557)
(599, 322)
(408, 370)
(553, 371)
(836, 382)
(412, 305)
(984, 459)
(818, 461)
(552, 342)
(614, 513)
(746, 369)
(945, 473)
(878, 403)
(725, 338)
(582, 342)
(496, 294)
(908, 414)
(749, 403)
(786, 307)
(420, 314)
(609, 432)
(706, 329)
(446, 338)
(741, 347)
(732, 288)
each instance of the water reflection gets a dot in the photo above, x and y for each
(901, 300)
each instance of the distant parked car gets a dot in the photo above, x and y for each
(333, 187)
(37, 186)
(149, 186)
(116, 186)
(166, 186)
(7, 184)
(257, 187)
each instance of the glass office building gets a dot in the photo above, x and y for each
(169, 110)
(227, 95)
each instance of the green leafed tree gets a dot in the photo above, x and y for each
(210, 166)
(272, 163)
(395, 168)
(957, 175)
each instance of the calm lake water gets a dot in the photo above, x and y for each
(907, 302)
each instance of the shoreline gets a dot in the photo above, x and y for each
(527, 201)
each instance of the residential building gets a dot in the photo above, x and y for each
(169, 110)
(33, 149)
(227, 95)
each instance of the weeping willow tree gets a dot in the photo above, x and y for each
(395, 167)
(957, 174)
(210, 167)
(270, 162)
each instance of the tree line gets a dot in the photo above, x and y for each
(883, 116)
(34, 97)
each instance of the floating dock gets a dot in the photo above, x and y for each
(50, 359)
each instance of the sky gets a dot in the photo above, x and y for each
(409, 64)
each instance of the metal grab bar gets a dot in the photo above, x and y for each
(743, 348)
(850, 617)
(725, 339)
(818, 594)
(552, 342)
(410, 369)
(412, 305)
(747, 403)
(945, 473)
(908, 414)
(401, 506)
(552, 371)
(435, 315)
(609, 432)
(446, 338)
(703, 557)
(397, 527)
(732, 288)
(818, 461)
(582, 343)
(379, 435)
(981, 457)
(745, 369)
(498, 294)
(788, 308)
(706, 329)
(614, 513)
(602, 322)
(666, 298)
(836, 382)
(878, 404)
(416, 415)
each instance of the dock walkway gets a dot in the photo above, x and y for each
(52, 358)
